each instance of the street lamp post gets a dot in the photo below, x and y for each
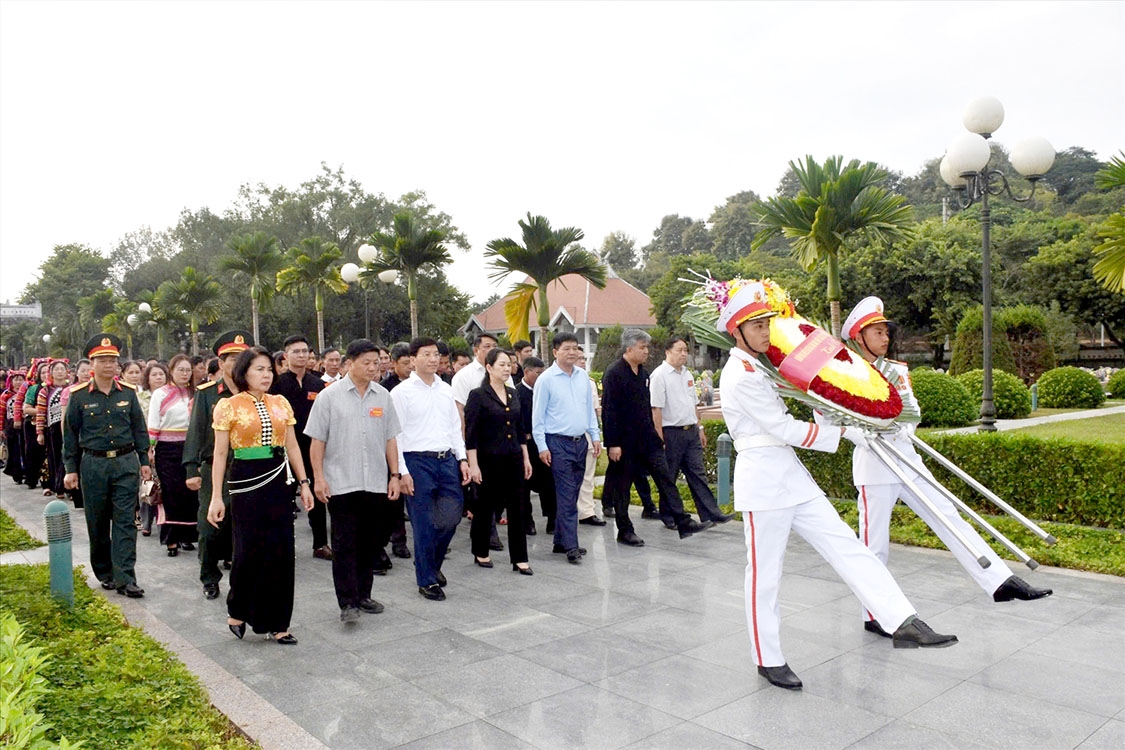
(350, 273)
(965, 169)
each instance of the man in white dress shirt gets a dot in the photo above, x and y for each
(776, 494)
(432, 462)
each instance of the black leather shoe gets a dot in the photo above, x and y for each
(592, 521)
(432, 592)
(873, 626)
(574, 556)
(529, 529)
(525, 571)
(723, 518)
(239, 630)
(285, 640)
(441, 581)
(349, 614)
(559, 549)
(782, 676)
(550, 527)
(173, 551)
(668, 524)
(692, 526)
(916, 634)
(370, 606)
(608, 512)
(131, 590)
(653, 514)
(402, 551)
(211, 590)
(108, 584)
(1017, 588)
(187, 547)
(482, 563)
(630, 538)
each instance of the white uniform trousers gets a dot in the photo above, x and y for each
(875, 504)
(586, 493)
(767, 533)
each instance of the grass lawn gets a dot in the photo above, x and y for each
(1107, 429)
(110, 685)
(1078, 548)
(12, 536)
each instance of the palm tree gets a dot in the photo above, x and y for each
(545, 256)
(407, 249)
(833, 205)
(256, 259)
(197, 294)
(123, 321)
(1110, 268)
(312, 266)
(160, 315)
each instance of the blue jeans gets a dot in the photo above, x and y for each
(568, 464)
(435, 511)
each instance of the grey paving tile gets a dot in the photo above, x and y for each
(594, 655)
(1104, 618)
(285, 735)
(999, 719)
(494, 685)
(1097, 690)
(583, 717)
(887, 687)
(476, 735)
(1110, 736)
(435, 651)
(1082, 645)
(371, 720)
(1053, 610)
(733, 652)
(691, 594)
(294, 688)
(600, 608)
(901, 734)
(674, 629)
(941, 584)
(688, 735)
(526, 629)
(774, 718)
(681, 686)
(802, 591)
(373, 630)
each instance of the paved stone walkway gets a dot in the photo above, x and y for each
(643, 648)
(1015, 424)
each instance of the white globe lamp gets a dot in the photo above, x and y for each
(983, 116)
(1032, 157)
(389, 276)
(968, 153)
(368, 253)
(349, 272)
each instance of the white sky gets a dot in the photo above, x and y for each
(605, 116)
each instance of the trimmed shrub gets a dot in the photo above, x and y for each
(968, 345)
(1070, 388)
(1010, 396)
(1027, 332)
(1047, 480)
(943, 400)
(1116, 384)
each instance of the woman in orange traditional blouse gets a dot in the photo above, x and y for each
(258, 427)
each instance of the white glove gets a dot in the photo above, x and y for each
(855, 435)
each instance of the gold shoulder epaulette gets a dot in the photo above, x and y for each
(78, 386)
(208, 384)
(127, 385)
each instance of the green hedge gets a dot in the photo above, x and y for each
(1049, 480)
(1010, 396)
(1070, 388)
(943, 400)
(1115, 386)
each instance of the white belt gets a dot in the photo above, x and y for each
(756, 441)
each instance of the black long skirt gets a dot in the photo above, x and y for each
(262, 579)
(179, 509)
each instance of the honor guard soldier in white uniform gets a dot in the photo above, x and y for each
(879, 488)
(776, 494)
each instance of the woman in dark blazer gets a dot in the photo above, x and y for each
(498, 460)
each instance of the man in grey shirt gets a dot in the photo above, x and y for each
(672, 392)
(353, 428)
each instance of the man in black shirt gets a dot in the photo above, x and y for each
(632, 443)
(542, 481)
(402, 364)
(300, 386)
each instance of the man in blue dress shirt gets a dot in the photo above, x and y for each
(562, 415)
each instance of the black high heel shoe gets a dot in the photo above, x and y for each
(173, 551)
(238, 630)
(522, 571)
(284, 640)
(484, 563)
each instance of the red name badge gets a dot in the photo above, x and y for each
(809, 357)
(311, 395)
(375, 412)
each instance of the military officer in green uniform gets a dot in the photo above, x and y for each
(199, 447)
(105, 439)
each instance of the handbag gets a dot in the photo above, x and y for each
(150, 492)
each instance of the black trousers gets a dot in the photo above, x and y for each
(33, 454)
(622, 473)
(501, 489)
(543, 482)
(215, 545)
(356, 521)
(318, 516)
(13, 437)
(55, 470)
(684, 452)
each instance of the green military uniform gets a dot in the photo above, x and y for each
(105, 441)
(199, 448)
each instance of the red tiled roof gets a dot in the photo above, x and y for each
(618, 303)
